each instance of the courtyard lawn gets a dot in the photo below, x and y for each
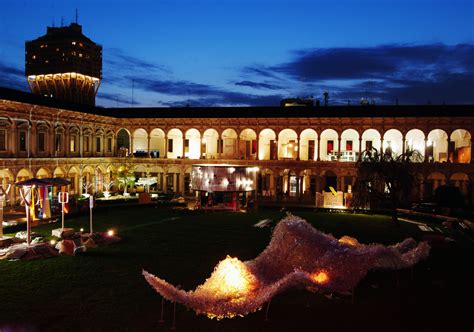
(103, 289)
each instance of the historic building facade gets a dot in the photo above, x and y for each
(297, 151)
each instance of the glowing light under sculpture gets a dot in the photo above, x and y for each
(298, 256)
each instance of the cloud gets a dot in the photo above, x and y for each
(115, 97)
(12, 77)
(118, 59)
(258, 85)
(376, 62)
(410, 73)
(229, 99)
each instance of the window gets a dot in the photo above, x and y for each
(368, 145)
(170, 145)
(348, 145)
(41, 142)
(220, 145)
(97, 144)
(330, 146)
(86, 143)
(57, 142)
(3, 139)
(22, 143)
(73, 143)
(109, 144)
(186, 145)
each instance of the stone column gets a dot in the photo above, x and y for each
(165, 182)
(426, 150)
(219, 146)
(257, 157)
(237, 149)
(359, 157)
(297, 186)
(404, 143)
(181, 183)
(381, 146)
(148, 146)
(472, 151)
(339, 148)
(175, 182)
(165, 153)
(318, 155)
(298, 153)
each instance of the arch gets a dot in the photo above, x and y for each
(210, 139)
(59, 172)
(43, 173)
(267, 145)
(329, 145)
(156, 169)
(123, 142)
(287, 144)
(175, 143)
(393, 142)
(157, 143)
(460, 180)
(437, 146)
(247, 148)
(308, 149)
(174, 169)
(371, 139)
(229, 141)
(349, 145)
(460, 149)
(415, 140)
(140, 170)
(140, 141)
(23, 174)
(192, 147)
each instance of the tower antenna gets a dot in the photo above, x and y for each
(76, 16)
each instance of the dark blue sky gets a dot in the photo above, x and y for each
(231, 52)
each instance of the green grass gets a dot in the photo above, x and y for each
(104, 289)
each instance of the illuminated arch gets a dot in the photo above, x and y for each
(229, 141)
(371, 139)
(415, 140)
(267, 145)
(210, 141)
(462, 146)
(437, 146)
(308, 149)
(192, 149)
(247, 148)
(329, 145)
(349, 145)
(157, 143)
(140, 140)
(287, 144)
(393, 142)
(175, 143)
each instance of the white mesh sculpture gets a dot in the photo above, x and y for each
(298, 255)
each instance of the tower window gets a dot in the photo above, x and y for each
(41, 142)
(22, 145)
(3, 139)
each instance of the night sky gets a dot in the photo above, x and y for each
(243, 52)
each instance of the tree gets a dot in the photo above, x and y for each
(125, 179)
(385, 181)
